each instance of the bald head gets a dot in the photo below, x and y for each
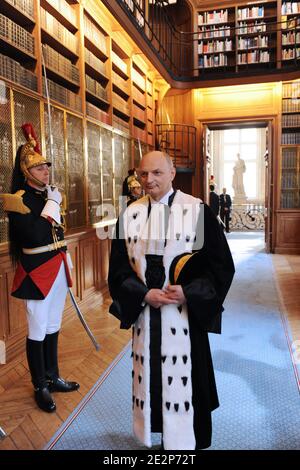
(156, 172)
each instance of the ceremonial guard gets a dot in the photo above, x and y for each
(39, 252)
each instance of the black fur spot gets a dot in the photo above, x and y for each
(135, 238)
(168, 404)
(133, 260)
(179, 308)
(187, 238)
(129, 239)
(142, 404)
(138, 331)
(184, 380)
(184, 211)
(137, 401)
(163, 358)
(170, 380)
(142, 360)
(185, 331)
(187, 405)
(174, 359)
(137, 357)
(177, 236)
(132, 373)
(140, 379)
(173, 331)
(176, 406)
(184, 358)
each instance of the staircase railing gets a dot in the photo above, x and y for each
(179, 141)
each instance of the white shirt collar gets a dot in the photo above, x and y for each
(164, 199)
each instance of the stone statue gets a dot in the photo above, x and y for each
(237, 178)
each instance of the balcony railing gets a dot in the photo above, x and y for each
(192, 56)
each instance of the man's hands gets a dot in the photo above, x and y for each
(170, 295)
(53, 194)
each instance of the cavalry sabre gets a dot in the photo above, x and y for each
(75, 305)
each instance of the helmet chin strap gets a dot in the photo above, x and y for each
(34, 180)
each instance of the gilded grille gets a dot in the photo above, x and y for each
(59, 164)
(6, 155)
(94, 173)
(26, 109)
(107, 165)
(75, 212)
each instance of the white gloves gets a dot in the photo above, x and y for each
(54, 194)
(52, 208)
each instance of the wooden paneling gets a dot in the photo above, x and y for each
(288, 229)
(90, 257)
(237, 101)
(88, 266)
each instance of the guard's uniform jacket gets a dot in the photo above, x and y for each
(36, 273)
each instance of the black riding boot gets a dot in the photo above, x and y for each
(35, 358)
(56, 384)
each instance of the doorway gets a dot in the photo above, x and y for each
(246, 145)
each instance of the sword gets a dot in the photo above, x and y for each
(84, 323)
(80, 316)
(2, 434)
(220, 220)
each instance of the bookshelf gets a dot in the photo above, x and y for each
(101, 95)
(256, 34)
(216, 47)
(290, 146)
(246, 36)
(120, 88)
(290, 31)
(139, 102)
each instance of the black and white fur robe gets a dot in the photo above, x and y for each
(187, 380)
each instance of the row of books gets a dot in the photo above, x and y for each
(253, 57)
(290, 38)
(289, 158)
(219, 60)
(214, 32)
(290, 120)
(259, 41)
(291, 90)
(290, 200)
(207, 17)
(291, 106)
(214, 46)
(293, 53)
(251, 12)
(290, 138)
(289, 179)
(288, 8)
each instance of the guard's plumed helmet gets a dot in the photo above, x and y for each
(132, 182)
(30, 154)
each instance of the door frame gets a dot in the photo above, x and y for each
(271, 166)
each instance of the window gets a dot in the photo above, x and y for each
(244, 142)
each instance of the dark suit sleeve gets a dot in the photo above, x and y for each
(32, 230)
(126, 289)
(210, 278)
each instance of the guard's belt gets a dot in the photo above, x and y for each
(45, 248)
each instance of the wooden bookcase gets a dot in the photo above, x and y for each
(216, 46)
(290, 31)
(248, 36)
(102, 108)
(290, 146)
(288, 197)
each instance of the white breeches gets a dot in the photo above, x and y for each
(44, 316)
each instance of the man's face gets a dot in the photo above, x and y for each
(156, 174)
(41, 173)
